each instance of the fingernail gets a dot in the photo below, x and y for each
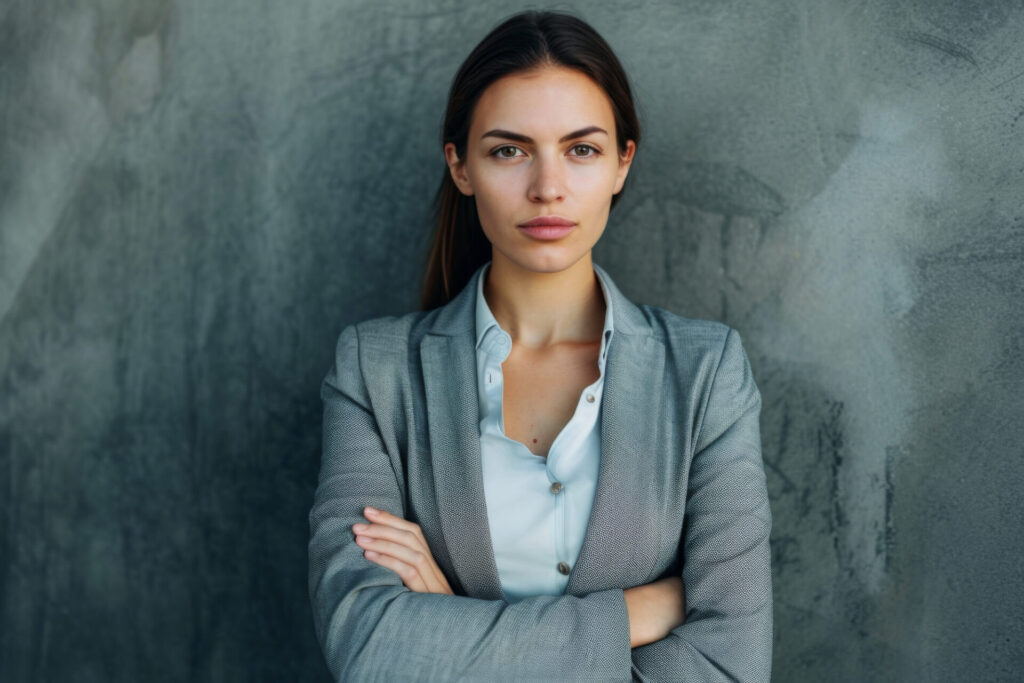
(359, 527)
(371, 511)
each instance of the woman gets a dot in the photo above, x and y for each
(547, 462)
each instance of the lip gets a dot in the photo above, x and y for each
(549, 221)
(548, 232)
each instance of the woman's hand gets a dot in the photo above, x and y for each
(399, 545)
(655, 609)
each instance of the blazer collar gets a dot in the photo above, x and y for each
(629, 419)
(460, 313)
(485, 319)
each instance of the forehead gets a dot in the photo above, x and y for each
(548, 99)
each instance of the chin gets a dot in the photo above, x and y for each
(548, 259)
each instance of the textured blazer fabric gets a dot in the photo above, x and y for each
(681, 490)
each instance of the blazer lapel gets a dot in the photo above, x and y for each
(448, 355)
(633, 375)
(617, 540)
(453, 409)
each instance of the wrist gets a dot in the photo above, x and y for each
(638, 634)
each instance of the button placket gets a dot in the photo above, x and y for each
(563, 550)
(571, 456)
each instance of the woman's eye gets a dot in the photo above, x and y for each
(507, 148)
(586, 148)
(580, 151)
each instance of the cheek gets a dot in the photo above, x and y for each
(496, 187)
(595, 181)
(495, 192)
(596, 174)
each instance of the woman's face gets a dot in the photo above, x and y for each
(542, 143)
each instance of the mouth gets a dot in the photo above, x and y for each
(548, 221)
(547, 231)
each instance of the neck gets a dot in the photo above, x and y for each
(539, 309)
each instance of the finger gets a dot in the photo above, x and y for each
(386, 547)
(410, 535)
(423, 557)
(428, 566)
(385, 517)
(410, 577)
(433, 580)
(400, 536)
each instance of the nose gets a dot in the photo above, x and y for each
(548, 181)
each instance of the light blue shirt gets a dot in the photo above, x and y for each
(537, 507)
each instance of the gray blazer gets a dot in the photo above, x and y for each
(681, 490)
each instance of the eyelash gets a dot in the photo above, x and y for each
(594, 151)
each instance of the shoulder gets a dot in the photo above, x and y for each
(702, 351)
(371, 355)
(708, 354)
(691, 335)
(371, 348)
(389, 333)
(389, 327)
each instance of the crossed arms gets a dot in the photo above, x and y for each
(371, 627)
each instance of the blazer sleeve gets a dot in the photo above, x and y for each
(370, 627)
(726, 566)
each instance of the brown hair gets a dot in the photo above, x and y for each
(523, 41)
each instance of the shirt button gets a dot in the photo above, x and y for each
(556, 487)
(590, 398)
(563, 568)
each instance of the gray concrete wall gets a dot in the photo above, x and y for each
(195, 197)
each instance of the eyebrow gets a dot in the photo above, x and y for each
(498, 133)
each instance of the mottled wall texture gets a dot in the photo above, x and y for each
(195, 197)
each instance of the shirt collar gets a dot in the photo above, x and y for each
(486, 320)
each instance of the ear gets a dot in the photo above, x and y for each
(457, 167)
(625, 160)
